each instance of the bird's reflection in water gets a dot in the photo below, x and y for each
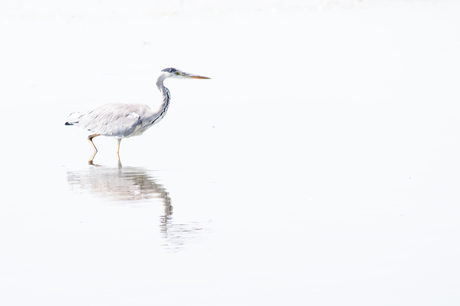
(134, 185)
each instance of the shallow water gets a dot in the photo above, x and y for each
(317, 166)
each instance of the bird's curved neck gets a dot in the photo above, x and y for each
(163, 90)
(166, 98)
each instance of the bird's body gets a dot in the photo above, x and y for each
(119, 120)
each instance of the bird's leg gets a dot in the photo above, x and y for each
(118, 149)
(118, 153)
(90, 139)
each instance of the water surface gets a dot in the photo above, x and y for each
(317, 166)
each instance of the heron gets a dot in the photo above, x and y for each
(121, 120)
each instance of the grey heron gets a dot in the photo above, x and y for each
(120, 120)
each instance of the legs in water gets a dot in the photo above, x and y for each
(90, 140)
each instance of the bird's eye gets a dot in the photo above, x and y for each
(177, 73)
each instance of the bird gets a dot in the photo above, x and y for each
(123, 120)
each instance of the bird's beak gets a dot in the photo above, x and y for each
(194, 76)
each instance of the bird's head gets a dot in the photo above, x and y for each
(176, 73)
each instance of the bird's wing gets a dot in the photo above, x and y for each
(115, 120)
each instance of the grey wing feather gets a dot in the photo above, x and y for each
(114, 120)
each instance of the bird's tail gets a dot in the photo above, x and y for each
(73, 118)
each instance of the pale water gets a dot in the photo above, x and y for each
(318, 166)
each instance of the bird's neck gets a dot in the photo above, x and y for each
(165, 101)
(164, 91)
